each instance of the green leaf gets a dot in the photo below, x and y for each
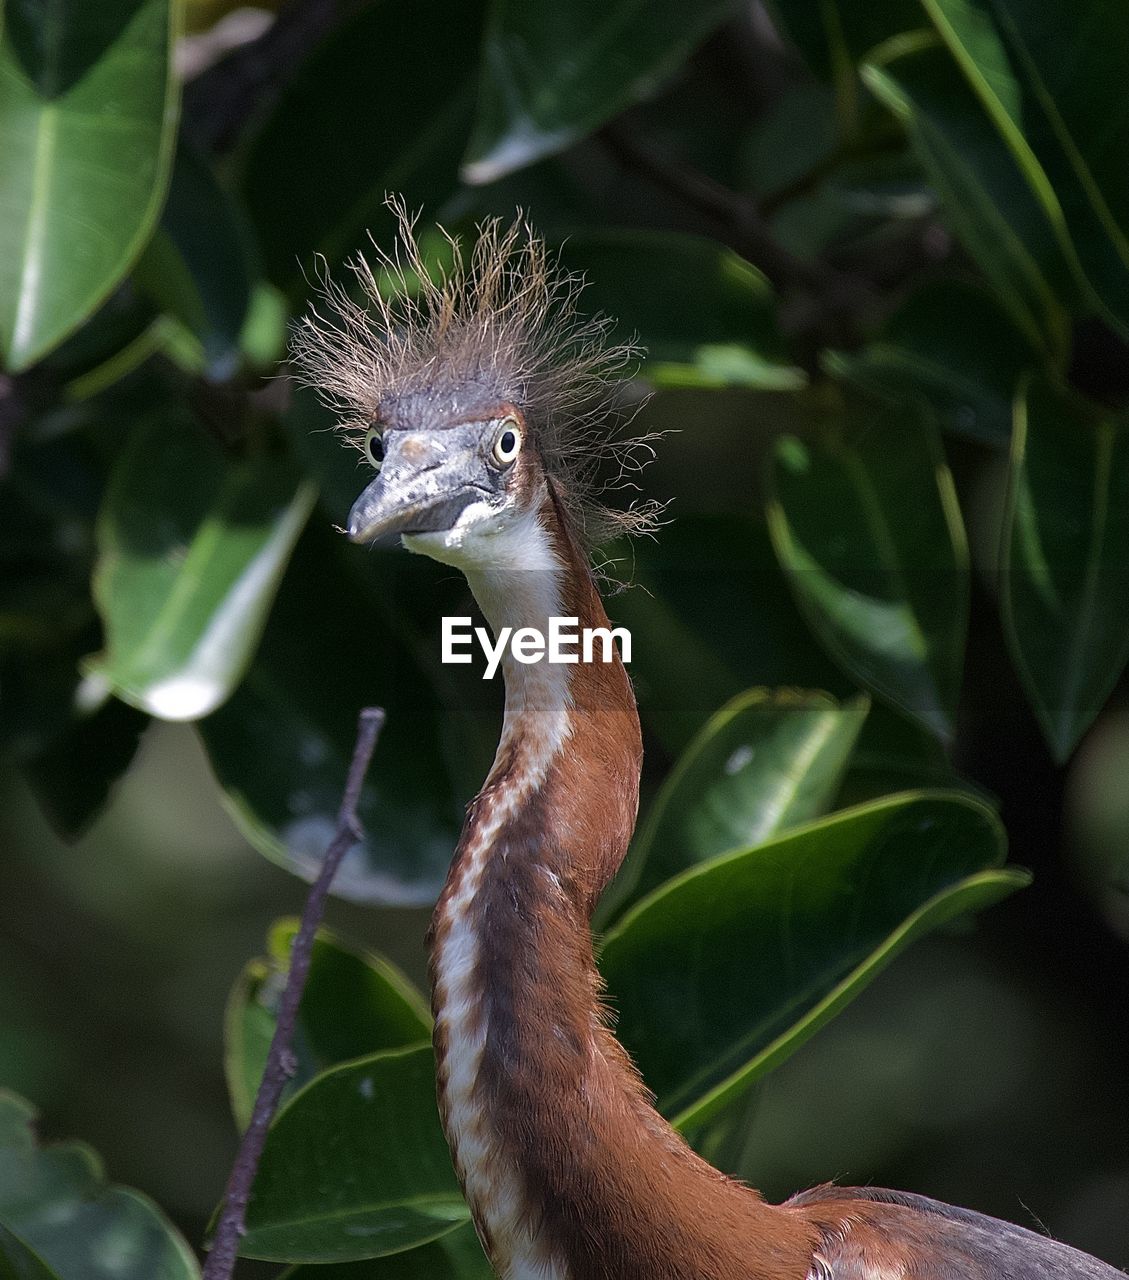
(1052, 79)
(871, 538)
(894, 754)
(18, 1262)
(725, 971)
(17, 1118)
(768, 760)
(724, 330)
(382, 105)
(1066, 558)
(710, 598)
(950, 348)
(833, 36)
(455, 1256)
(281, 745)
(354, 1003)
(108, 340)
(192, 549)
(794, 136)
(71, 741)
(984, 191)
(73, 775)
(553, 73)
(88, 108)
(263, 337)
(57, 1204)
(195, 266)
(373, 1126)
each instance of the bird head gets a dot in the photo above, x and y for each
(475, 391)
(451, 490)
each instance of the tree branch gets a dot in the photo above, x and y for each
(821, 305)
(824, 302)
(280, 1060)
(739, 218)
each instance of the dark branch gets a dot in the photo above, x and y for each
(738, 217)
(280, 1060)
(820, 305)
(825, 301)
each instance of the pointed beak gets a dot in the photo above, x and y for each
(426, 481)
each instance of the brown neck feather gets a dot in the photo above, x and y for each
(566, 1165)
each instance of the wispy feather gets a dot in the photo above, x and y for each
(427, 346)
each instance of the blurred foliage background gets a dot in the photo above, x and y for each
(879, 258)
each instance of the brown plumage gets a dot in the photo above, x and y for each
(569, 1171)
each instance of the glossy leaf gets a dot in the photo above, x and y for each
(1066, 558)
(950, 348)
(18, 1262)
(1051, 77)
(72, 742)
(723, 331)
(375, 1124)
(894, 754)
(796, 135)
(192, 549)
(56, 1203)
(108, 340)
(281, 746)
(87, 122)
(768, 760)
(722, 973)
(354, 1003)
(710, 598)
(357, 123)
(553, 73)
(871, 538)
(196, 267)
(834, 35)
(455, 1256)
(982, 187)
(73, 775)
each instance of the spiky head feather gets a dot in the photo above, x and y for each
(427, 347)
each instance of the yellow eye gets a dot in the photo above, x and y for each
(374, 447)
(507, 443)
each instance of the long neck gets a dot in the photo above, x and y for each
(569, 1172)
(570, 752)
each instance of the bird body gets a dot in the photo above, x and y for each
(569, 1172)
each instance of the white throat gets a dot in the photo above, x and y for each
(515, 574)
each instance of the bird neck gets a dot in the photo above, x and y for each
(569, 1172)
(570, 749)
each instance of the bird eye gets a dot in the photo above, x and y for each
(507, 444)
(374, 446)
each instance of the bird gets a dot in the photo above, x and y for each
(487, 403)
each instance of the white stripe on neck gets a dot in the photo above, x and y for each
(521, 588)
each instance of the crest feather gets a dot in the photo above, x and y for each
(499, 326)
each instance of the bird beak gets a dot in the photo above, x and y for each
(424, 484)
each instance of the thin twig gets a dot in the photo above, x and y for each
(280, 1060)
